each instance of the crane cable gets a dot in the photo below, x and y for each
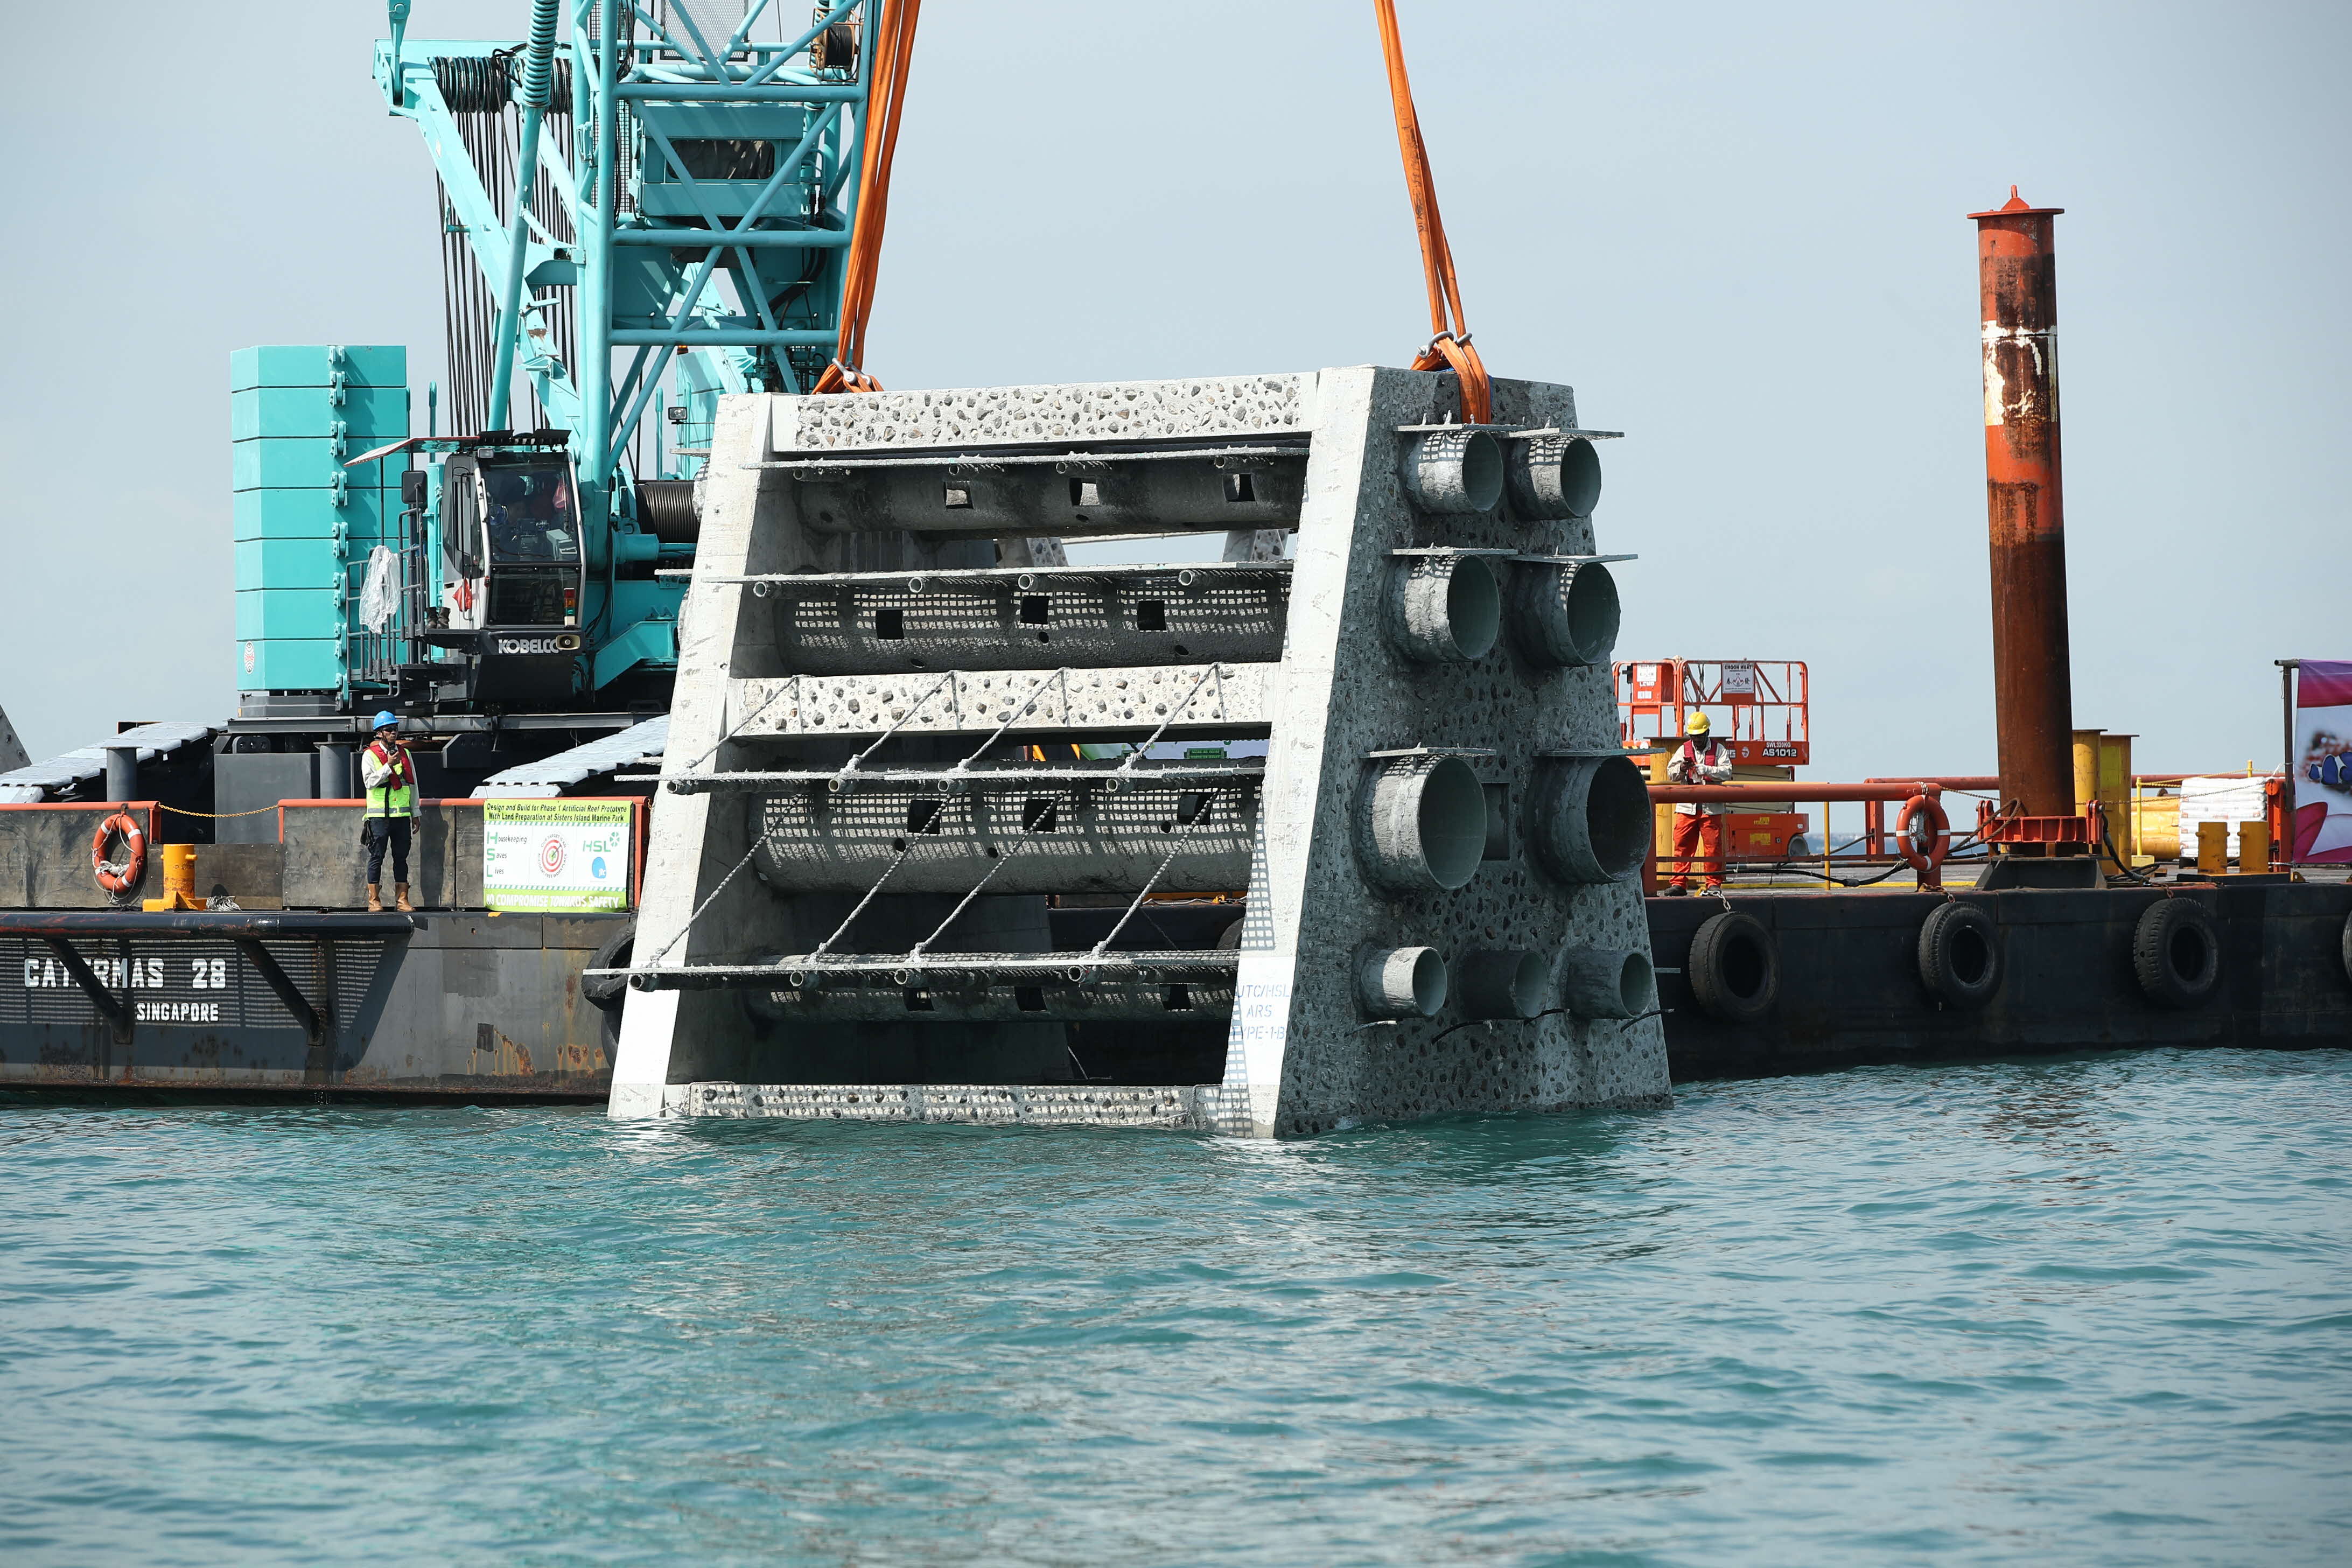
(885, 96)
(1449, 343)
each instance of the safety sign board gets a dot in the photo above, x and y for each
(556, 856)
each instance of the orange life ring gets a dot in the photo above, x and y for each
(1939, 826)
(118, 876)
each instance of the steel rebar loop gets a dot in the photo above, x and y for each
(1020, 844)
(964, 764)
(839, 930)
(1174, 713)
(773, 698)
(1198, 817)
(849, 767)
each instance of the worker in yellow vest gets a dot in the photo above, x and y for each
(1698, 827)
(390, 775)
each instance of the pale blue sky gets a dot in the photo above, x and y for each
(1738, 232)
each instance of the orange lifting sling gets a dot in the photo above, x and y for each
(1449, 343)
(886, 96)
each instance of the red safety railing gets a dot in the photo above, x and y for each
(1761, 707)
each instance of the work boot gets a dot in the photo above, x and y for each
(375, 899)
(1677, 890)
(400, 898)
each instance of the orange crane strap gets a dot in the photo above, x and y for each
(1449, 343)
(892, 51)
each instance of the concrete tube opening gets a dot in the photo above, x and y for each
(1421, 825)
(1494, 984)
(1564, 617)
(1554, 476)
(1607, 983)
(1454, 473)
(1400, 982)
(1589, 819)
(1445, 609)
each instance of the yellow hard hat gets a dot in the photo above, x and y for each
(1698, 725)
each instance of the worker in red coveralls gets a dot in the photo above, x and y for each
(1698, 828)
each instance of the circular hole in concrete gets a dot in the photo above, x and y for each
(1579, 478)
(1451, 820)
(1473, 607)
(1428, 981)
(1591, 612)
(1617, 817)
(1637, 985)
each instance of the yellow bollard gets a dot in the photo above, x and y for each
(2254, 845)
(179, 881)
(2213, 847)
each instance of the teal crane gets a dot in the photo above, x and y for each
(643, 208)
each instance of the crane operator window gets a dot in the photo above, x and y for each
(531, 517)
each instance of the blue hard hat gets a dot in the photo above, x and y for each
(385, 719)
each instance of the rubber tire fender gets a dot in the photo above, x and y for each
(613, 954)
(2156, 942)
(2347, 949)
(1944, 939)
(1734, 968)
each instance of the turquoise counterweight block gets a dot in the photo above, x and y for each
(371, 416)
(290, 563)
(273, 614)
(647, 642)
(280, 665)
(307, 364)
(312, 513)
(297, 462)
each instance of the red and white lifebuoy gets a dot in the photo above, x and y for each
(1939, 830)
(119, 876)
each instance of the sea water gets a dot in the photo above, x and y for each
(2080, 1311)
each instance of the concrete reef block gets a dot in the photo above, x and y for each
(1375, 720)
(1552, 477)
(1421, 825)
(1452, 473)
(1400, 982)
(1589, 818)
(1607, 983)
(1444, 609)
(1563, 616)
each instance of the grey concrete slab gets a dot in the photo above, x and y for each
(1404, 709)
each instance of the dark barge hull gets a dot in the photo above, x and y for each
(481, 1008)
(336, 1006)
(1850, 988)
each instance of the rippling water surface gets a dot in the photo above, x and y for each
(2086, 1311)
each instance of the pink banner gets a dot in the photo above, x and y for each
(2323, 766)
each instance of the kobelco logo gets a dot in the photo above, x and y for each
(567, 643)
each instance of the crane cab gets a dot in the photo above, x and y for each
(513, 567)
